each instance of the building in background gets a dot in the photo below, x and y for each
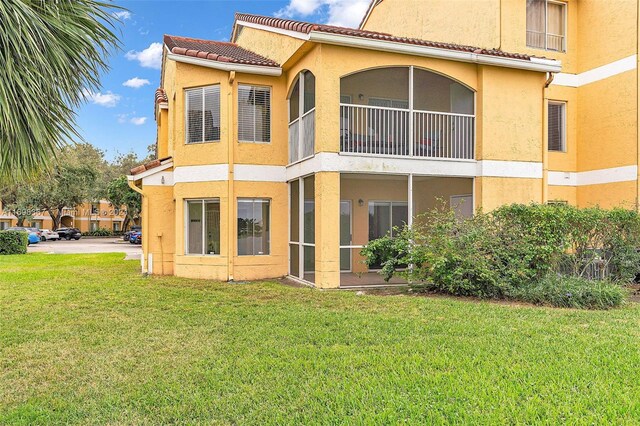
(286, 150)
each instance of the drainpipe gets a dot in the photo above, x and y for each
(231, 223)
(545, 136)
(145, 224)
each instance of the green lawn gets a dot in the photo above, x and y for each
(86, 339)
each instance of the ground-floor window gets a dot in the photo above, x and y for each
(94, 225)
(384, 216)
(36, 224)
(3, 225)
(203, 227)
(116, 227)
(253, 226)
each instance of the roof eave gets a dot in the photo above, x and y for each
(294, 34)
(167, 164)
(225, 66)
(534, 64)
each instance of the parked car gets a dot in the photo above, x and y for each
(127, 234)
(49, 235)
(69, 233)
(135, 237)
(36, 231)
(34, 238)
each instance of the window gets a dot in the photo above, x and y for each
(116, 226)
(203, 114)
(254, 114)
(203, 227)
(253, 227)
(557, 126)
(3, 225)
(302, 106)
(546, 24)
(94, 225)
(95, 208)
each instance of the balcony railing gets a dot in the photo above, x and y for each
(386, 131)
(546, 41)
(302, 133)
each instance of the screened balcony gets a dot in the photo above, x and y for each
(302, 117)
(405, 111)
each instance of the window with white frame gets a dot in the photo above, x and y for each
(116, 227)
(546, 24)
(203, 227)
(254, 114)
(94, 225)
(254, 227)
(202, 120)
(557, 136)
(302, 107)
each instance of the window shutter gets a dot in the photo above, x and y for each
(194, 116)
(556, 127)
(254, 114)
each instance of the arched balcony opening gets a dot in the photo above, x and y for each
(406, 111)
(302, 117)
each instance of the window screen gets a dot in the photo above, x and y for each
(254, 114)
(253, 227)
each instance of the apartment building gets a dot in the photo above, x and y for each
(285, 150)
(86, 217)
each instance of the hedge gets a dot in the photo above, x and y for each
(13, 242)
(517, 252)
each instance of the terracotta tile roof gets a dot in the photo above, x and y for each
(306, 28)
(161, 96)
(148, 166)
(216, 51)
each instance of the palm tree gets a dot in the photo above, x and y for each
(51, 53)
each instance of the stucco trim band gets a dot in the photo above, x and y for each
(209, 173)
(596, 74)
(594, 177)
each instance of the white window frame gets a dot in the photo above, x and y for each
(186, 114)
(563, 127)
(254, 121)
(254, 199)
(546, 25)
(204, 227)
(301, 115)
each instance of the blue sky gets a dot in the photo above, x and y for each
(118, 118)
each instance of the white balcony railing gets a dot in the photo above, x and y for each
(546, 41)
(302, 133)
(386, 131)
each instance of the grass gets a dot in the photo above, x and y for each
(84, 339)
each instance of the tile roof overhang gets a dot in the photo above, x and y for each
(351, 37)
(217, 54)
(152, 167)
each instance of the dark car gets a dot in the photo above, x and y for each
(135, 237)
(133, 229)
(69, 233)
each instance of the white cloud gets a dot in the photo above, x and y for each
(122, 15)
(107, 99)
(151, 57)
(138, 121)
(136, 82)
(343, 13)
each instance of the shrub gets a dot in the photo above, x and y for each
(514, 247)
(101, 232)
(13, 242)
(572, 292)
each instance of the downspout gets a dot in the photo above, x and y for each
(231, 223)
(145, 240)
(545, 137)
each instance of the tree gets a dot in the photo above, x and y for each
(119, 193)
(51, 56)
(68, 186)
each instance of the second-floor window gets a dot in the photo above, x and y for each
(546, 24)
(557, 126)
(203, 114)
(254, 114)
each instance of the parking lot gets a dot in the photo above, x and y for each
(88, 245)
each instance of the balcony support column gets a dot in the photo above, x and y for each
(327, 221)
(410, 137)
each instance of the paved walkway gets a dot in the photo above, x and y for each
(88, 245)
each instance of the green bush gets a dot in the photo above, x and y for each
(572, 292)
(102, 232)
(13, 242)
(513, 247)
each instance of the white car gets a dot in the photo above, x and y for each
(49, 235)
